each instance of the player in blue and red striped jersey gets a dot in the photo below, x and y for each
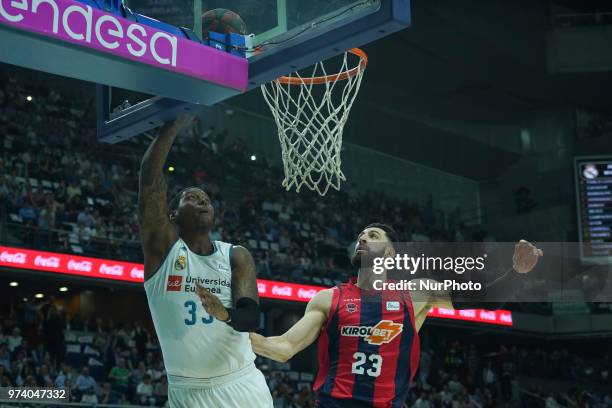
(368, 339)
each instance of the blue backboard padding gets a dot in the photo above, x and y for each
(142, 117)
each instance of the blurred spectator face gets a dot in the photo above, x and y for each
(106, 387)
(194, 209)
(146, 379)
(85, 371)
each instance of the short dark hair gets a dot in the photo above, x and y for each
(175, 201)
(389, 230)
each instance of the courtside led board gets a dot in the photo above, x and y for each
(97, 268)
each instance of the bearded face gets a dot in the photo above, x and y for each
(371, 243)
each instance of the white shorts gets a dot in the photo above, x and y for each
(244, 388)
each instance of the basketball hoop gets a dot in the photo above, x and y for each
(310, 121)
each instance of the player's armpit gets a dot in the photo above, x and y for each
(245, 314)
(300, 335)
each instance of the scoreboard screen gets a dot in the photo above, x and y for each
(594, 197)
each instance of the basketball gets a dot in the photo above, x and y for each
(222, 21)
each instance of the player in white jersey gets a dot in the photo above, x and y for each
(202, 294)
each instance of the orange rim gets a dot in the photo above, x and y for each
(330, 78)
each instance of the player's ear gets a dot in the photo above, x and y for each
(390, 252)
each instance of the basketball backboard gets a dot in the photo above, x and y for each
(271, 21)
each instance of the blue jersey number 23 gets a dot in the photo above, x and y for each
(191, 309)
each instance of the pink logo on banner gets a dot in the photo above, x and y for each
(137, 273)
(282, 290)
(14, 258)
(80, 266)
(306, 293)
(114, 270)
(78, 23)
(48, 262)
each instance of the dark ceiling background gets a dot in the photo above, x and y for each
(462, 62)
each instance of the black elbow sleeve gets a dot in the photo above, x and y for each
(245, 316)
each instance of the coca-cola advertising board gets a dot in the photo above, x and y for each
(133, 272)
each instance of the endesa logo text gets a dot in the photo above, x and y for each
(77, 22)
(69, 21)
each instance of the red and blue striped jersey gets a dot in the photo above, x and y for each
(369, 348)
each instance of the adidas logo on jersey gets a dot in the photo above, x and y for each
(384, 332)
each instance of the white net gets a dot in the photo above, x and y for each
(310, 113)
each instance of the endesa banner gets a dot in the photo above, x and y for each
(133, 272)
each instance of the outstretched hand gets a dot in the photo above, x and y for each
(525, 257)
(212, 304)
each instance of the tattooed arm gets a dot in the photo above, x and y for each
(156, 231)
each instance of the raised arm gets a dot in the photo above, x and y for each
(301, 335)
(156, 232)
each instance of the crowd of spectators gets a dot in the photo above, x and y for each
(122, 363)
(62, 191)
(124, 366)
(460, 374)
